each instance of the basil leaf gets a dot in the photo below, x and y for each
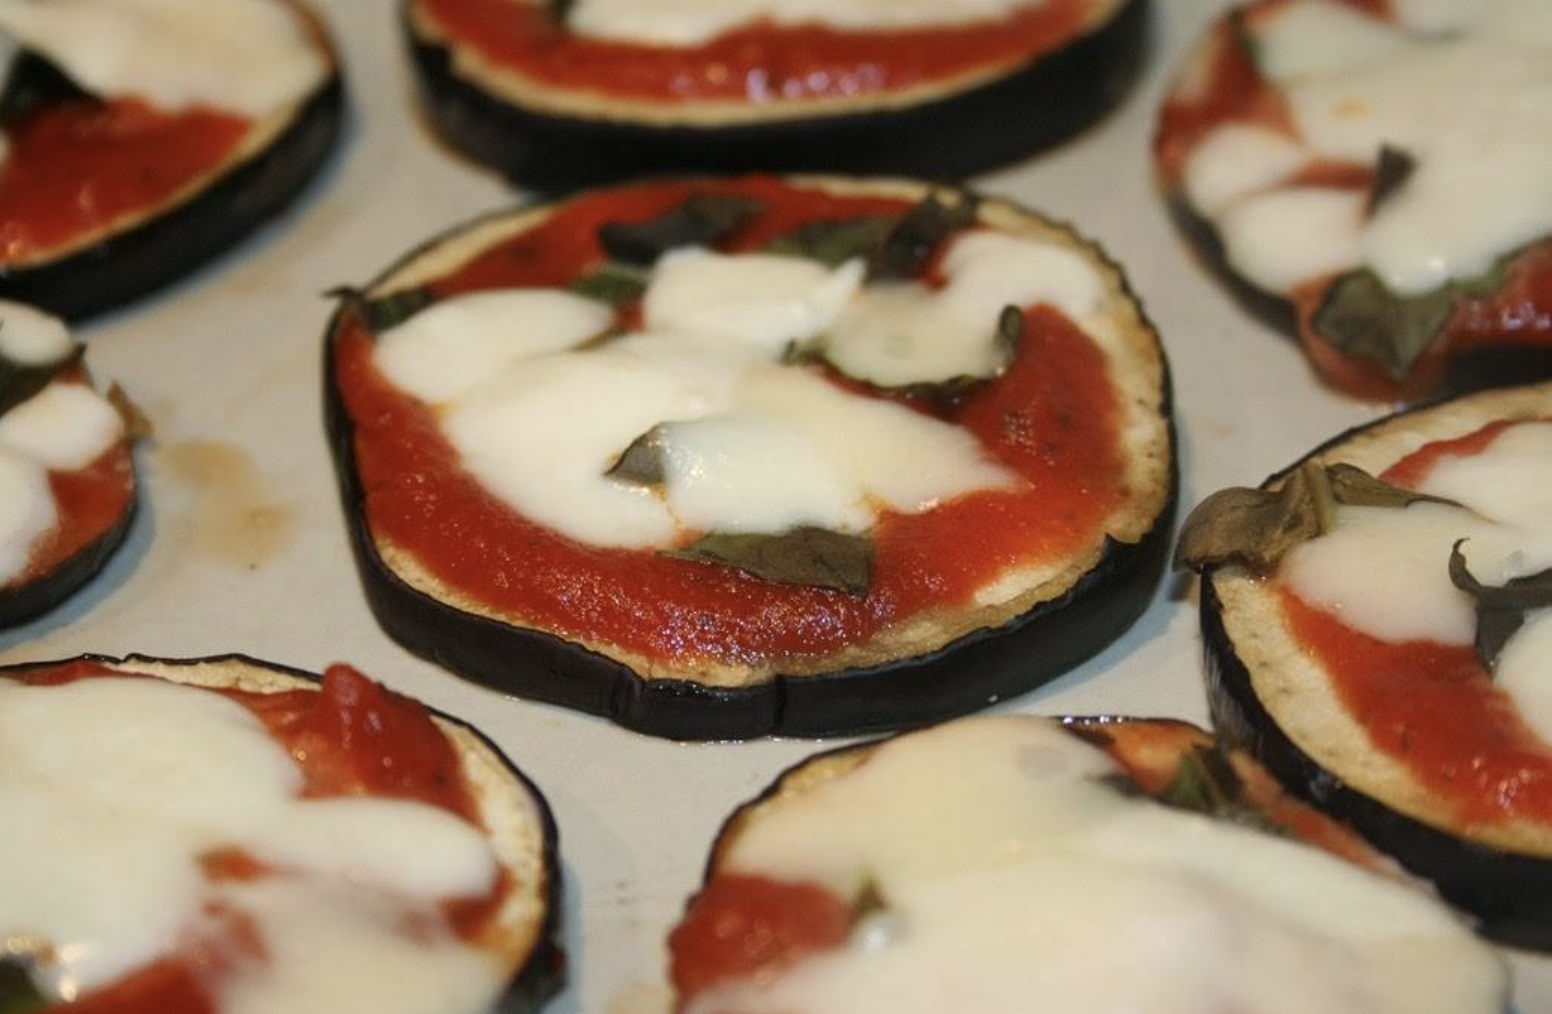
(1354, 487)
(20, 381)
(18, 994)
(808, 556)
(35, 82)
(619, 285)
(642, 463)
(909, 246)
(835, 243)
(383, 313)
(559, 11)
(1394, 168)
(869, 901)
(1250, 526)
(1363, 319)
(701, 220)
(1501, 611)
(1206, 782)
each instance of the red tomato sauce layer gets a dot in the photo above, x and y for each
(1431, 706)
(353, 737)
(1052, 418)
(76, 168)
(761, 63)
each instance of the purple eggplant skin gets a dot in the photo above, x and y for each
(543, 973)
(1046, 101)
(1509, 893)
(36, 597)
(127, 265)
(967, 675)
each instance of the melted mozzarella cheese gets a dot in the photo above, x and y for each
(30, 337)
(252, 57)
(1466, 90)
(115, 788)
(692, 22)
(63, 427)
(27, 512)
(1524, 672)
(1008, 870)
(1509, 481)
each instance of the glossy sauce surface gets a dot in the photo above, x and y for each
(78, 167)
(1052, 418)
(761, 63)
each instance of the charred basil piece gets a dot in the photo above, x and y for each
(869, 901)
(34, 82)
(702, 220)
(1206, 782)
(559, 11)
(20, 381)
(1501, 610)
(1394, 168)
(910, 245)
(836, 242)
(381, 313)
(810, 556)
(619, 285)
(18, 995)
(642, 464)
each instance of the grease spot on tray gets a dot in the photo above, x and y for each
(641, 998)
(233, 519)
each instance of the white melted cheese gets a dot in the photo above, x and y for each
(63, 427)
(30, 337)
(1466, 89)
(1281, 238)
(27, 512)
(1524, 672)
(749, 445)
(252, 57)
(1009, 872)
(1238, 160)
(692, 22)
(114, 789)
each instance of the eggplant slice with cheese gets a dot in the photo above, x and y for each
(330, 838)
(1094, 864)
(127, 166)
(729, 458)
(1378, 620)
(67, 477)
(557, 95)
(1363, 177)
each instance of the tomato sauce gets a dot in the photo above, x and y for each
(77, 167)
(1431, 706)
(1052, 418)
(760, 63)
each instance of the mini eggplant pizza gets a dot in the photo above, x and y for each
(1378, 621)
(1372, 175)
(225, 836)
(557, 92)
(1020, 863)
(142, 137)
(730, 458)
(67, 477)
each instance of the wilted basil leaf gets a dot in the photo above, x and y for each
(869, 900)
(642, 463)
(34, 82)
(382, 313)
(701, 220)
(915, 237)
(1362, 318)
(1250, 526)
(18, 995)
(835, 243)
(808, 556)
(618, 285)
(559, 11)
(1354, 487)
(20, 381)
(1394, 168)
(1501, 611)
(1206, 782)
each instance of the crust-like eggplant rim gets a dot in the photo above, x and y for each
(561, 139)
(1037, 635)
(525, 931)
(157, 246)
(37, 596)
(1503, 878)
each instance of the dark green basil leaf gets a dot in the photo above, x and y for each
(34, 82)
(642, 464)
(18, 994)
(1249, 526)
(915, 237)
(1394, 168)
(835, 243)
(805, 556)
(701, 220)
(1362, 318)
(619, 285)
(1206, 782)
(1501, 611)
(382, 313)
(19, 381)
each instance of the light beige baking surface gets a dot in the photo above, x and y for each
(240, 545)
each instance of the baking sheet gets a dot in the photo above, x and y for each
(240, 546)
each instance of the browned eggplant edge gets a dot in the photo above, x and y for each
(1509, 893)
(36, 597)
(965, 675)
(542, 974)
(170, 244)
(1034, 106)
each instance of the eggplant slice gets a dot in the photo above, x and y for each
(1507, 887)
(160, 245)
(946, 132)
(523, 932)
(1038, 635)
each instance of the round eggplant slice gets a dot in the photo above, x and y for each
(906, 867)
(195, 206)
(562, 134)
(1376, 731)
(1357, 234)
(513, 924)
(705, 637)
(67, 474)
